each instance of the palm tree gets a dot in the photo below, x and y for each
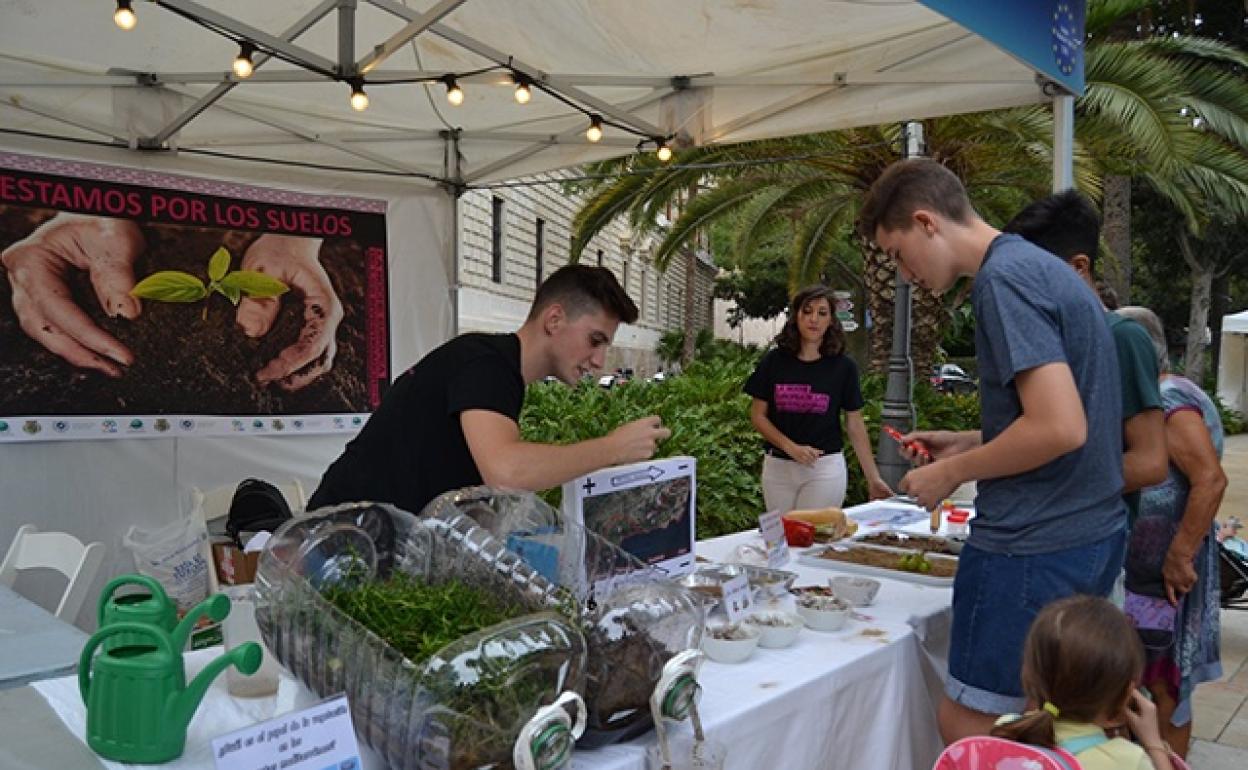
(1130, 123)
(810, 186)
(1168, 110)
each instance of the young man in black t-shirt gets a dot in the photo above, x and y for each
(452, 420)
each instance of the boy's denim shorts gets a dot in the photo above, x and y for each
(995, 598)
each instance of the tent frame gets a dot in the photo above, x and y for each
(566, 87)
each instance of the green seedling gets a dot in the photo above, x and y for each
(177, 286)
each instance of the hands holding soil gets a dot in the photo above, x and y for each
(38, 268)
(106, 249)
(293, 261)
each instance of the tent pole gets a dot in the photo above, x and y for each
(454, 186)
(1063, 141)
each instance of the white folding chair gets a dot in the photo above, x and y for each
(32, 549)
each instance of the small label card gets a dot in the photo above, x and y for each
(737, 599)
(773, 537)
(314, 738)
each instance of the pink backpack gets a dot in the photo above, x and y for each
(983, 752)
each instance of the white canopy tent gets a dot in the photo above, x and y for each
(712, 70)
(161, 97)
(1233, 362)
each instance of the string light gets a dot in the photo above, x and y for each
(454, 94)
(594, 132)
(243, 65)
(359, 99)
(124, 15)
(523, 92)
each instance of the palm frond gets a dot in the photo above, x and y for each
(812, 243)
(601, 209)
(699, 212)
(1137, 95)
(757, 220)
(1103, 14)
(1202, 49)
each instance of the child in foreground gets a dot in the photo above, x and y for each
(1081, 663)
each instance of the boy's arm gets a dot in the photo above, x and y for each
(1052, 423)
(506, 460)
(1144, 459)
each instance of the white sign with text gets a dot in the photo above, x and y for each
(737, 598)
(772, 529)
(314, 738)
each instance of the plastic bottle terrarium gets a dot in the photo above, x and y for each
(453, 652)
(635, 622)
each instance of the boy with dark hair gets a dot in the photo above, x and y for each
(1050, 519)
(452, 420)
(1067, 225)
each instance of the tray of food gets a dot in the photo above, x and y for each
(911, 541)
(911, 565)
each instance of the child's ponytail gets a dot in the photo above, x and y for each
(1034, 727)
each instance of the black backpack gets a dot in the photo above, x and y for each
(257, 505)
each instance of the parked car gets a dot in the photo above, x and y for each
(951, 378)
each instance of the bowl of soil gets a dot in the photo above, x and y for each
(730, 642)
(823, 612)
(777, 629)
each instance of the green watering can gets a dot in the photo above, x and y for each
(138, 701)
(153, 608)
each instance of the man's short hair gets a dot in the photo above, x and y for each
(907, 186)
(1065, 223)
(582, 289)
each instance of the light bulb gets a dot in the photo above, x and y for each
(594, 132)
(454, 94)
(665, 153)
(124, 16)
(359, 99)
(243, 65)
(523, 93)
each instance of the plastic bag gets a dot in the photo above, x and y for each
(174, 555)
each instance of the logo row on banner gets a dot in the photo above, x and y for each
(14, 429)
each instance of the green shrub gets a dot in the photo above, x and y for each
(1232, 421)
(709, 419)
(706, 412)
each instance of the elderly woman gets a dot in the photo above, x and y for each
(1173, 545)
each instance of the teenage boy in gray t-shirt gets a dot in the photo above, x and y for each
(1050, 521)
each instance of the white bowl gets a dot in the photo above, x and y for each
(858, 591)
(825, 614)
(730, 650)
(782, 634)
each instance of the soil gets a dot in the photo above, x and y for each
(913, 542)
(891, 560)
(185, 363)
(731, 633)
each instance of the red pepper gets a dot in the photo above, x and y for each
(799, 534)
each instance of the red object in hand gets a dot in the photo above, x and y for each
(798, 534)
(914, 444)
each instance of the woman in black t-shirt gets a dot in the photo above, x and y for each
(800, 389)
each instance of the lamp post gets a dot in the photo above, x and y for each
(898, 410)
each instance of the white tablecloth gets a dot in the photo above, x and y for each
(34, 643)
(860, 698)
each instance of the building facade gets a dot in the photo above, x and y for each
(512, 237)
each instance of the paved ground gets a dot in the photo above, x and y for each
(1220, 731)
